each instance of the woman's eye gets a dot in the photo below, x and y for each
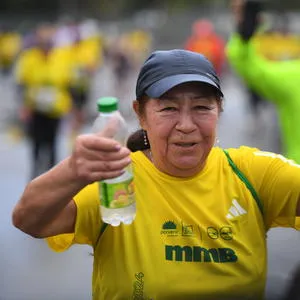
(201, 107)
(169, 108)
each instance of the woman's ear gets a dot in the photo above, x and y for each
(136, 108)
(221, 105)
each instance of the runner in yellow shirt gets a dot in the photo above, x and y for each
(43, 74)
(202, 212)
(10, 47)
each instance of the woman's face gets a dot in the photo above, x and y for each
(181, 128)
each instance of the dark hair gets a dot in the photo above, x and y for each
(136, 140)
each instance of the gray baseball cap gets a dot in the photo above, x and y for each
(164, 70)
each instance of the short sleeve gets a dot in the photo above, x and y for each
(276, 179)
(88, 221)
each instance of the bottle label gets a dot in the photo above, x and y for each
(117, 195)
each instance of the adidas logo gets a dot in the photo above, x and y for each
(235, 210)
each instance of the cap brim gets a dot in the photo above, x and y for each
(160, 87)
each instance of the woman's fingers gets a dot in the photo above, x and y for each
(96, 142)
(108, 166)
(105, 155)
(98, 158)
(100, 170)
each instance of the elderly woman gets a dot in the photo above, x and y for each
(202, 212)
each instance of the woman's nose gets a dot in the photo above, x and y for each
(185, 122)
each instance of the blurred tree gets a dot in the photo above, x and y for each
(107, 9)
(116, 8)
(28, 6)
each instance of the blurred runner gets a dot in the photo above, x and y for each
(87, 54)
(272, 40)
(42, 73)
(275, 41)
(276, 81)
(120, 58)
(206, 41)
(10, 46)
(139, 43)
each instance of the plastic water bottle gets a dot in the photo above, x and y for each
(116, 195)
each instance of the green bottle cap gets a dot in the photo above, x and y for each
(107, 104)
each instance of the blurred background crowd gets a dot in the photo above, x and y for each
(52, 69)
(58, 57)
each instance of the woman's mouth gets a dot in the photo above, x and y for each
(185, 145)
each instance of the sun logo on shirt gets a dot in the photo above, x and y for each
(169, 225)
(169, 228)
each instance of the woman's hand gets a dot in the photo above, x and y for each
(247, 16)
(96, 157)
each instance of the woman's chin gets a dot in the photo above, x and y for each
(186, 164)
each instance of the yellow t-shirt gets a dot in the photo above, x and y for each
(202, 237)
(46, 80)
(86, 58)
(89, 52)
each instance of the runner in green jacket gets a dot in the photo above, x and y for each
(277, 81)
